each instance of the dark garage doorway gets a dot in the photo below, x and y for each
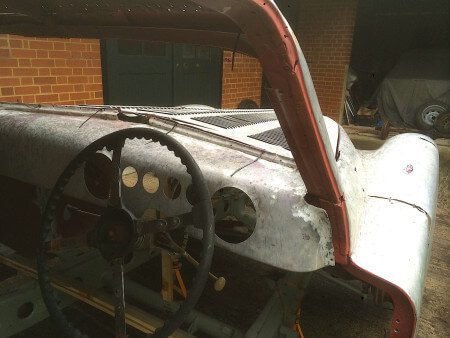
(400, 62)
(161, 74)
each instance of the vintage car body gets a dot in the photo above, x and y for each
(318, 200)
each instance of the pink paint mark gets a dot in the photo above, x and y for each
(409, 169)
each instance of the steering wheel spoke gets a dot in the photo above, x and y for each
(119, 297)
(115, 193)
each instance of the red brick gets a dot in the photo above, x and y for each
(60, 62)
(5, 72)
(60, 71)
(26, 90)
(77, 71)
(95, 47)
(5, 53)
(44, 71)
(75, 63)
(9, 81)
(46, 89)
(79, 96)
(25, 71)
(64, 88)
(7, 91)
(77, 79)
(26, 81)
(38, 70)
(8, 63)
(46, 98)
(13, 43)
(4, 43)
(92, 71)
(28, 99)
(59, 45)
(59, 54)
(91, 55)
(43, 63)
(93, 87)
(41, 45)
(75, 46)
(63, 96)
(24, 63)
(23, 53)
(45, 80)
(61, 79)
(75, 54)
(41, 54)
(12, 99)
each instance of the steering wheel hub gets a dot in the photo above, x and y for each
(116, 233)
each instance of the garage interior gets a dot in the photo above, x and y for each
(367, 36)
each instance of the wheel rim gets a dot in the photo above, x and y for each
(431, 113)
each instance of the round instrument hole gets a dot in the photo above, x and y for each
(25, 310)
(172, 188)
(234, 213)
(150, 182)
(129, 177)
(98, 174)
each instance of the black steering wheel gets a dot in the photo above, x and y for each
(117, 229)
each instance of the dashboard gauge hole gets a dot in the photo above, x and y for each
(150, 182)
(25, 310)
(128, 258)
(190, 194)
(130, 177)
(235, 215)
(98, 175)
(172, 188)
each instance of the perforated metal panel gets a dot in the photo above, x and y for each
(273, 136)
(236, 120)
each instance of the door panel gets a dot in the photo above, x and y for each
(163, 74)
(197, 75)
(139, 73)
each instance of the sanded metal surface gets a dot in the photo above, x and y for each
(303, 242)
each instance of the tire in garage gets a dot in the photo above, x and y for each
(427, 114)
(442, 124)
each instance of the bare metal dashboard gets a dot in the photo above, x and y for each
(288, 233)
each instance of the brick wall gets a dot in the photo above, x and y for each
(63, 71)
(243, 82)
(325, 32)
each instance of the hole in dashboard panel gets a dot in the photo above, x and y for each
(150, 182)
(130, 177)
(128, 258)
(235, 215)
(172, 188)
(25, 310)
(98, 174)
(190, 194)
